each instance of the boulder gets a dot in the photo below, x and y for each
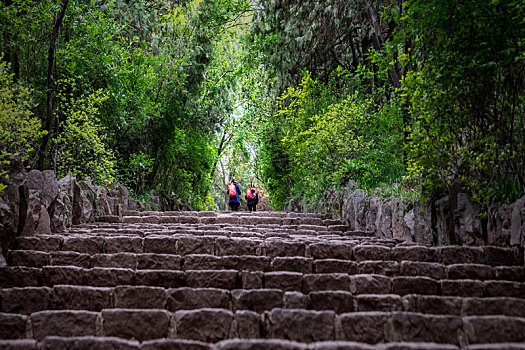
(373, 211)
(123, 197)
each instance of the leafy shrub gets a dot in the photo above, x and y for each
(19, 131)
(80, 147)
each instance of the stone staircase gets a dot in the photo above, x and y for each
(265, 280)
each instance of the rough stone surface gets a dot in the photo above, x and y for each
(207, 325)
(136, 324)
(63, 323)
(302, 325)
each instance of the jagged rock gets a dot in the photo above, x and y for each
(102, 206)
(87, 195)
(13, 204)
(123, 197)
(399, 229)
(384, 220)
(443, 220)
(517, 221)
(373, 210)
(417, 221)
(355, 209)
(467, 220)
(61, 213)
(499, 224)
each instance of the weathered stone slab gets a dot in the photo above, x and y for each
(337, 301)
(295, 300)
(414, 253)
(251, 279)
(80, 298)
(427, 269)
(460, 255)
(160, 245)
(16, 276)
(494, 306)
(222, 279)
(197, 298)
(293, 264)
(246, 262)
(207, 325)
(470, 271)
(417, 285)
(175, 344)
(275, 248)
(257, 300)
(331, 251)
(287, 281)
(504, 289)
(63, 323)
(248, 324)
(70, 258)
(336, 266)
(194, 245)
(366, 327)
(378, 302)
(319, 282)
(12, 326)
(260, 344)
(18, 344)
(139, 297)
(387, 268)
(409, 326)
(25, 300)
(87, 245)
(203, 262)
(29, 258)
(371, 252)
(462, 288)
(370, 284)
(120, 244)
(109, 277)
(116, 260)
(491, 329)
(136, 324)
(53, 275)
(433, 304)
(160, 278)
(88, 342)
(302, 325)
(237, 246)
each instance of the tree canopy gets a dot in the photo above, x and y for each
(177, 96)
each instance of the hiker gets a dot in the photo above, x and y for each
(252, 198)
(233, 192)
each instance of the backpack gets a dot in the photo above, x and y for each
(249, 194)
(232, 191)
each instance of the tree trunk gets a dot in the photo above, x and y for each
(50, 62)
(379, 42)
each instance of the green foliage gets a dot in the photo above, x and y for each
(80, 147)
(467, 94)
(330, 141)
(19, 130)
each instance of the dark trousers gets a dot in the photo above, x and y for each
(252, 207)
(234, 206)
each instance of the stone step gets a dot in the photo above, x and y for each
(306, 326)
(314, 247)
(92, 342)
(230, 279)
(63, 297)
(251, 261)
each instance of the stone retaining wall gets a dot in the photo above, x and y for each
(35, 202)
(453, 219)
